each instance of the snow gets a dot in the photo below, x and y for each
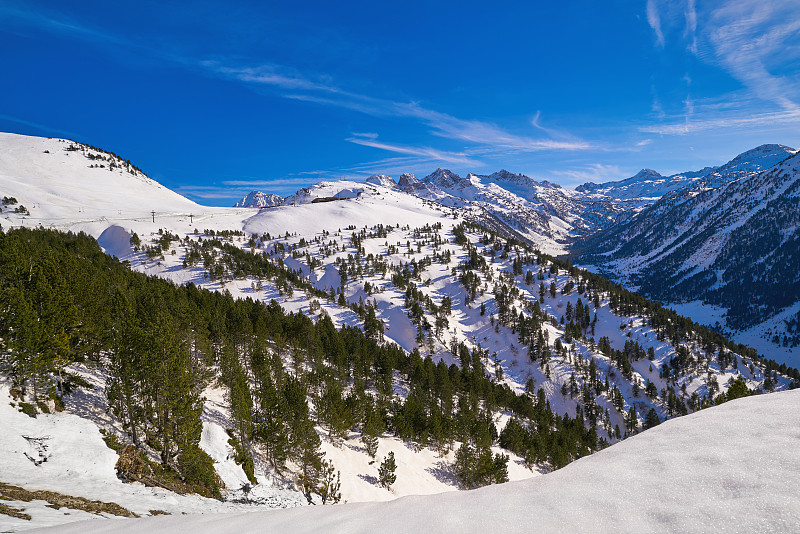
(25, 169)
(74, 460)
(757, 337)
(420, 471)
(37, 180)
(732, 468)
(382, 179)
(115, 241)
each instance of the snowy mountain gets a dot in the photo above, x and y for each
(257, 199)
(409, 183)
(747, 163)
(327, 191)
(700, 244)
(648, 186)
(540, 213)
(686, 475)
(644, 188)
(619, 188)
(57, 179)
(342, 271)
(382, 179)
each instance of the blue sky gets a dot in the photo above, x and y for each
(214, 99)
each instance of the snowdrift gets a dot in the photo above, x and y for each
(732, 468)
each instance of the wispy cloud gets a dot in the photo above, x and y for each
(42, 127)
(724, 122)
(278, 182)
(754, 41)
(286, 82)
(690, 33)
(747, 35)
(62, 24)
(480, 133)
(430, 154)
(207, 192)
(233, 190)
(597, 172)
(654, 20)
(367, 135)
(657, 108)
(269, 74)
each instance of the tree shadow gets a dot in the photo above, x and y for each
(369, 478)
(443, 472)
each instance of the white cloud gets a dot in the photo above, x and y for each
(691, 26)
(597, 172)
(756, 42)
(427, 153)
(724, 122)
(748, 35)
(273, 183)
(655, 21)
(42, 127)
(269, 74)
(442, 124)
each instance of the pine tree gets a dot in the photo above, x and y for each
(333, 410)
(386, 471)
(651, 419)
(329, 486)
(372, 428)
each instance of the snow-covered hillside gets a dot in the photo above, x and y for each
(733, 247)
(729, 469)
(382, 179)
(59, 180)
(356, 252)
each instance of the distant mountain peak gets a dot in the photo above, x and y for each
(762, 157)
(257, 199)
(407, 179)
(381, 179)
(647, 173)
(443, 178)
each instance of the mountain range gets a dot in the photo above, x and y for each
(683, 239)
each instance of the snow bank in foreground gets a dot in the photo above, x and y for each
(732, 468)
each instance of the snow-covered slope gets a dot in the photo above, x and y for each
(734, 246)
(382, 179)
(65, 453)
(257, 199)
(728, 469)
(747, 163)
(57, 179)
(327, 191)
(409, 183)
